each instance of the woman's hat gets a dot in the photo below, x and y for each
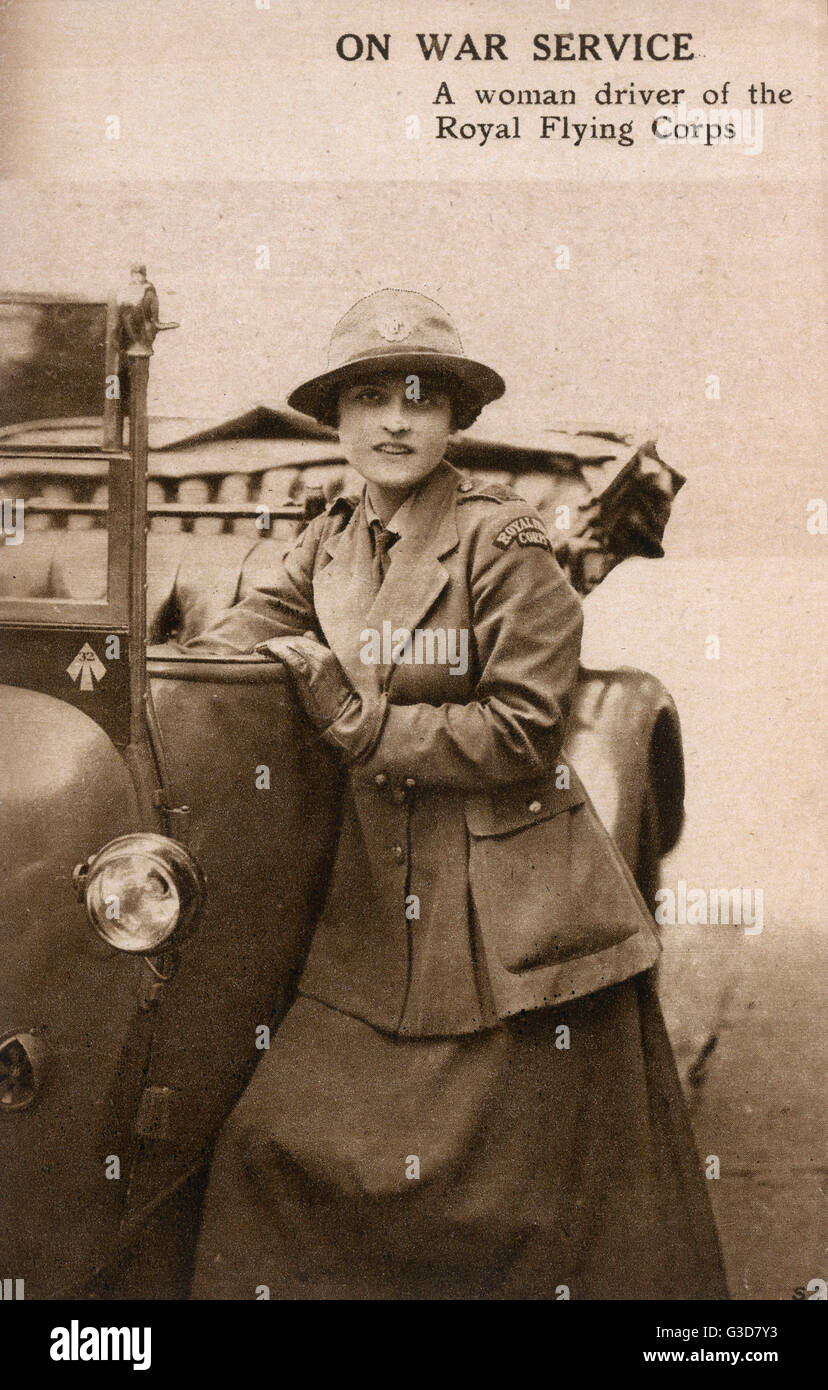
(401, 331)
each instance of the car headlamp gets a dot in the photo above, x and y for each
(140, 891)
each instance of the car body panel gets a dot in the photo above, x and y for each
(265, 852)
(146, 1075)
(624, 738)
(64, 791)
(73, 664)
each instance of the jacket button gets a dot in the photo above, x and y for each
(534, 807)
(381, 779)
(399, 853)
(411, 783)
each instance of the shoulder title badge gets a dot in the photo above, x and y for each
(526, 530)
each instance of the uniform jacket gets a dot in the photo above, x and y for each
(472, 878)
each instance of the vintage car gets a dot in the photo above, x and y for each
(168, 819)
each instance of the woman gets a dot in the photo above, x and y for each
(472, 1095)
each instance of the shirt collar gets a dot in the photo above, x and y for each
(427, 515)
(370, 512)
(402, 515)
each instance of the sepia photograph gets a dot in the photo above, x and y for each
(412, 662)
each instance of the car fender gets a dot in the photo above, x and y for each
(64, 791)
(624, 739)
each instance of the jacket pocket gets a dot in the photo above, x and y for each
(547, 882)
(513, 807)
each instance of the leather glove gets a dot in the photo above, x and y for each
(342, 716)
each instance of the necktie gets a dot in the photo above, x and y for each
(383, 540)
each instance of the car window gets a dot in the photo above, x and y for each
(55, 531)
(53, 357)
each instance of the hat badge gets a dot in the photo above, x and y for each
(393, 328)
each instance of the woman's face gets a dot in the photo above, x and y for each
(392, 440)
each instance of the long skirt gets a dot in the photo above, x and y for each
(550, 1157)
